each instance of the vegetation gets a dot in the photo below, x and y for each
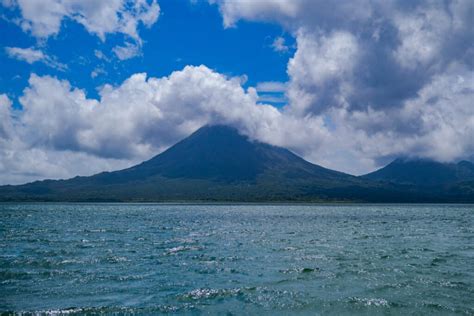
(218, 164)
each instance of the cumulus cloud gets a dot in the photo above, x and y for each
(232, 11)
(322, 70)
(100, 55)
(31, 55)
(61, 133)
(26, 54)
(127, 51)
(438, 123)
(389, 78)
(6, 126)
(97, 72)
(421, 34)
(271, 86)
(368, 82)
(279, 45)
(402, 44)
(43, 18)
(272, 92)
(22, 161)
(294, 14)
(137, 119)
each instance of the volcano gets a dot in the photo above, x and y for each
(217, 163)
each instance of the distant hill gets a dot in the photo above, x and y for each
(216, 163)
(422, 172)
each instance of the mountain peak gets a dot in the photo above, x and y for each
(221, 129)
(216, 162)
(212, 137)
(212, 152)
(422, 171)
(220, 153)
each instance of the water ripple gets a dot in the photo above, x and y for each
(123, 259)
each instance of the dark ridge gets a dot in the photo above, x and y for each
(423, 172)
(216, 163)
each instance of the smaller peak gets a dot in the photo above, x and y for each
(416, 160)
(398, 160)
(465, 163)
(403, 160)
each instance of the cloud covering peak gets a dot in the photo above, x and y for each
(392, 77)
(367, 82)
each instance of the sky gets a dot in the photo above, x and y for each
(88, 86)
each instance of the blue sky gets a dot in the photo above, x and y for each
(186, 34)
(88, 86)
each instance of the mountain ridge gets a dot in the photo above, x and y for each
(217, 163)
(423, 172)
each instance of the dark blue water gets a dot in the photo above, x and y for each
(237, 259)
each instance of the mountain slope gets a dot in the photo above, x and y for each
(220, 153)
(216, 163)
(422, 172)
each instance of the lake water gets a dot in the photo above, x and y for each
(237, 259)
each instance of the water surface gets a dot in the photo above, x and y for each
(238, 259)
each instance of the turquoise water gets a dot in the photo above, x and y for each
(237, 259)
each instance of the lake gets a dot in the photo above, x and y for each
(237, 259)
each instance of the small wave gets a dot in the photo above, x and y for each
(299, 270)
(177, 249)
(98, 311)
(54, 312)
(71, 261)
(377, 302)
(439, 307)
(206, 293)
(115, 259)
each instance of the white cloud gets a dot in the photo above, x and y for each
(369, 81)
(295, 14)
(128, 51)
(232, 11)
(26, 54)
(97, 72)
(323, 59)
(271, 86)
(100, 55)
(31, 55)
(138, 119)
(436, 124)
(421, 34)
(271, 98)
(388, 78)
(321, 70)
(279, 45)
(6, 126)
(272, 92)
(21, 164)
(43, 18)
(59, 126)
